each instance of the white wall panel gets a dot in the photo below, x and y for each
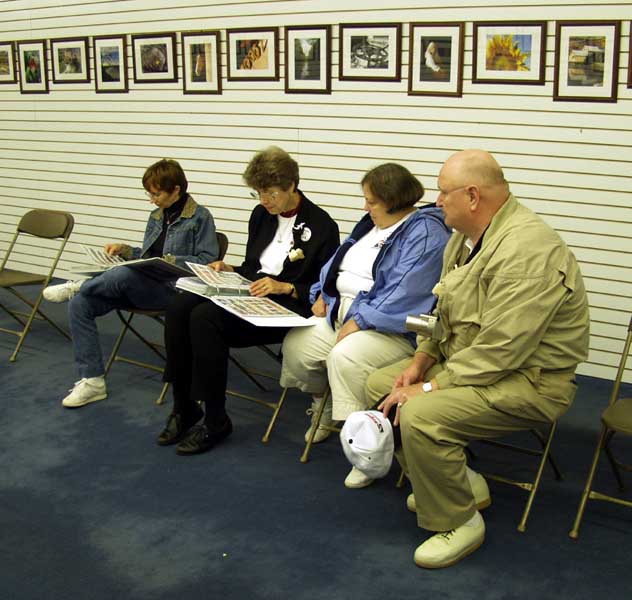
(75, 150)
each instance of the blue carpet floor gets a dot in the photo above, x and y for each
(92, 508)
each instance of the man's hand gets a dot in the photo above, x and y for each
(415, 372)
(397, 398)
(347, 329)
(266, 286)
(116, 249)
(220, 265)
(319, 308)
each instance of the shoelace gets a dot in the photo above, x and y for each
(446, 535)
(77, 384)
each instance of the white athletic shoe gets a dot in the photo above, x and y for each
(321, 434)
(63, 291)
(479, 487)
(86, 390)
(449, 547)
(357, 479)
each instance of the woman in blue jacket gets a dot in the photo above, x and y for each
(384, 271)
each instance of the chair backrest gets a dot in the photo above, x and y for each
(47, 223)
(222, 241)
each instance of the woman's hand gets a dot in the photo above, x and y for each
(347, 329)
(319, 308)
(267, 286)
(220, 265)
(117, 249)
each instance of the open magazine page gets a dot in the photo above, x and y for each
(97, 256)
(221, 282)
(262, 312)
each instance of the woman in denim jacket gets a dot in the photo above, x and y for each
(179, 228)
(383, 272)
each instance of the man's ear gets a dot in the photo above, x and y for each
(474, 195)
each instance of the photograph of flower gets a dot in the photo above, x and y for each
(202, 68)
(308, 59)
(370, 52)
(70, 60)
(253, 54)
(7, 63)
(32, 67)
(586, 61)
(110, 64)
(154, 57)
(509, 52)
(436, 59)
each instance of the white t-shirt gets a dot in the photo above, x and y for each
(273, 257)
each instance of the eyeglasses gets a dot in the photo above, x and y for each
(153, 195)
(258, 196)
(444, 194)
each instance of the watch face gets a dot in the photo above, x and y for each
(427, 387)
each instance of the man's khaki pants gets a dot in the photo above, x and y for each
(438, 425)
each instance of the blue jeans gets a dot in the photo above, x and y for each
(116, 288)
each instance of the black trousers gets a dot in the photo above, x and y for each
(198, 336)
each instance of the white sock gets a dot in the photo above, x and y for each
(475, 521)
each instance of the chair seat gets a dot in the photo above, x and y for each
(11, 277)
(618, 417)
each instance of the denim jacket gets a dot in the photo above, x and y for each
(406, 269)
(191, 237)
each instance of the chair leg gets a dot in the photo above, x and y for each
(613, 461)
(574, 532)
(247, 373)
(401, 479)
(536, 483)
(549, 458)
(163, 393)
(277, 410)
(314, 429)
(119, 339)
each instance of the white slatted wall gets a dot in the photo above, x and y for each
(83, 152)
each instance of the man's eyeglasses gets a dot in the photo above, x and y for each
(153, 195)
(444, 193)
(258, 196)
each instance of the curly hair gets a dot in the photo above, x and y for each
(272, 167)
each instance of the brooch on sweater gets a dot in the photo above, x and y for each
(295, 254)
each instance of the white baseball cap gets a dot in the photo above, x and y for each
(367, 441)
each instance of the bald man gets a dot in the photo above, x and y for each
(514, 317)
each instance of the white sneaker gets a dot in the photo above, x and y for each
(479, 487)
(449, 547)
(86, 390)
(357, 479)
(321, 434)
(63, 291)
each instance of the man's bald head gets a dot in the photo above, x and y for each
(475, 167)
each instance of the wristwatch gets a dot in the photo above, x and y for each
(427, 387)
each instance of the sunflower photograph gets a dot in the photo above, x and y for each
(508, 53)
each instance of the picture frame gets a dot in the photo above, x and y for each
(202, 69)
(435, 65)
(154, 57)
(308, 59)
(370, 52)
(253, 54)
(8, 74)
(70, 60)
(586, 61)
(509, 52)
(33, 67)
(110, 64)
(630, 60)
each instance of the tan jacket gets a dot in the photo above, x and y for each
(519, 305)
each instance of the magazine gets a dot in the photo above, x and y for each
(224, 283)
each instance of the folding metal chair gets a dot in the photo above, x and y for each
(158, 317)
(38, 223)
(616, 418)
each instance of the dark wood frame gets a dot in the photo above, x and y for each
(217, 62)
(77, 42)
(411, 67)
(327, 51)
(616, 42)
(43, 67)
(13, 63)
(630, 59)
(539, 61)
(274, 32)
(147, 37)
(397, 53)
(123, 69)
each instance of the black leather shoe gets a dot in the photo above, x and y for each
(176, 428)
(202, 438)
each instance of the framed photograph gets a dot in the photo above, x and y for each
(154, 57)
(370, 52)
(110, 64)
(586, 61)
(253, 54)
(435, 66)
(630, 59)
(201, 58)
(507, 52)
(7, 63)
(308, 59)
(70, 60)
(33, 71)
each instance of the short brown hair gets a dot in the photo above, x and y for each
(271, 167)
(394, 185)
(165, 175)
